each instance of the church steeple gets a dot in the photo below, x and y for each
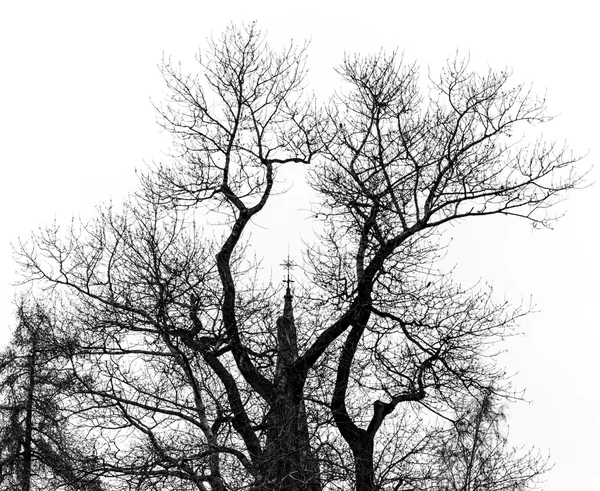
(293, 442)
(287, 342)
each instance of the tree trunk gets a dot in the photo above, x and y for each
(364, 469)
(27, 454)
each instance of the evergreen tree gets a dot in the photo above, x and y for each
(37, 449)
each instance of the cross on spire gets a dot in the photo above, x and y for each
(288, 264)
(287, 306)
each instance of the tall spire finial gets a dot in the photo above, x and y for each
(287, 306)
(288, 264)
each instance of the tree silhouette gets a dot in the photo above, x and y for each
(36, 446)
(474, 454)
(191, 374)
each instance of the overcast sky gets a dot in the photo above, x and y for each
(76, 121)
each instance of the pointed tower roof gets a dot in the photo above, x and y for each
(288, 312)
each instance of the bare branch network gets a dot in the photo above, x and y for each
(187, 371)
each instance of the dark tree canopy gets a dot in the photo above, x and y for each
(376, 371)
(38, 447)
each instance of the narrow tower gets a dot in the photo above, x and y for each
(288, 437)
(286, 329)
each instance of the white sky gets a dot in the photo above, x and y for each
(76, 120)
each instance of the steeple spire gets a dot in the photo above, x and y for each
(288, 264)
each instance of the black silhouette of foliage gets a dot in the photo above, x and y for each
(37, 447)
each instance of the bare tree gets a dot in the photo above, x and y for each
(398, 165)
(193, 373)
(475, 454)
